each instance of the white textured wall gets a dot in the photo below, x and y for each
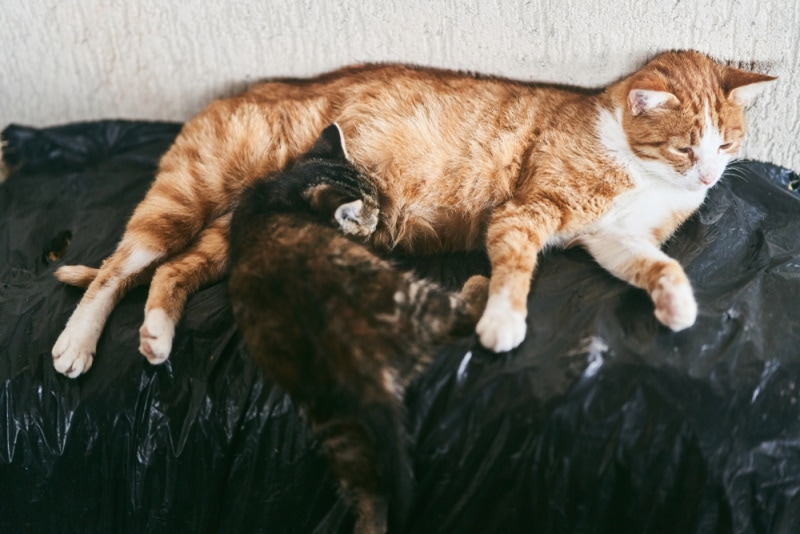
(68, 60)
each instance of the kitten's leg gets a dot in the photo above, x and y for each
(463, 311)
(195, 183)
(203, 262)
(642, 264)
(514, 237)
(357, 218)
(475, 294)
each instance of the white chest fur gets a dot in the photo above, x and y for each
(648, 206)
(656, 196)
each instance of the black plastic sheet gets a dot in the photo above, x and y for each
(602, 421)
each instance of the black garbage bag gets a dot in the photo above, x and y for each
(602, 421)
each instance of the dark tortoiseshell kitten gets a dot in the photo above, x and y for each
(339, 328)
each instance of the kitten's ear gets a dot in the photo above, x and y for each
(742, 86)
(643, 100)
(329, 144)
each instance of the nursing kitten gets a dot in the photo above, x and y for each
(459, 162)
(340, 329)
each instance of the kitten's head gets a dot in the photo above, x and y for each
(683, 116)
(334, 187)
(329, 146)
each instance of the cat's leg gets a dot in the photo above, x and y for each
(357, 218)
(641, 263)
(475, 294)
(174, 280)
(515, 235)
(162, 224)
(74, 349)
(212, 159)
(462, 311)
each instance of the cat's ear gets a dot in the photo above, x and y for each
(643, 100)
(742, 86)
(329, 144)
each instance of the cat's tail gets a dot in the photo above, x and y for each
(76, 275)
(386, 426)
(365, 440)
(82, 276)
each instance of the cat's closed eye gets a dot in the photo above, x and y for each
(725, 146)
(685, 150)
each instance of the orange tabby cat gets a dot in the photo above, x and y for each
(460, 162)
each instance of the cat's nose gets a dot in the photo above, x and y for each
(707, 179)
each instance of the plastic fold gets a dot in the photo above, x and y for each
(602, 421)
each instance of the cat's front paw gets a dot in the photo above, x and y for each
(72, 354)
(675, 305)
(357, 218)
(501, 328)
(155, 336)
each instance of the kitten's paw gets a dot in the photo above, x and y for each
(72, 356)
(155, 336)
(501, 328)
(675, 304)
(356, 218)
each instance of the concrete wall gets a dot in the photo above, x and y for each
(69, 60)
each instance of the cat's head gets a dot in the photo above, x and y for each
(329, 146)
(334, 186)
(683, 116)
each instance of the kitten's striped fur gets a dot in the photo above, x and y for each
(340, 329)
(459, 162)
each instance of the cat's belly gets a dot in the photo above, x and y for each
(432, 230)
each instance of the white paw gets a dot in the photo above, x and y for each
(675, 304)
(72, 356)
(501, 328)
(356, 219)
(155, 336)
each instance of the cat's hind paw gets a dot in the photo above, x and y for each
(675, 306)
(501, 328)
(72, 356)
(156, 335)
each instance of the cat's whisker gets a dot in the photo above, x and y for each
(736, 171)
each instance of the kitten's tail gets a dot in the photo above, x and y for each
(76, 275)
(367, 446)
(384, 419)
(385, 424)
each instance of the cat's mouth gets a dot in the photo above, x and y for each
(697, 181)
(708, 180)
(699, 185)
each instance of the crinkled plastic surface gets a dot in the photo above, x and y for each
(602, 421)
